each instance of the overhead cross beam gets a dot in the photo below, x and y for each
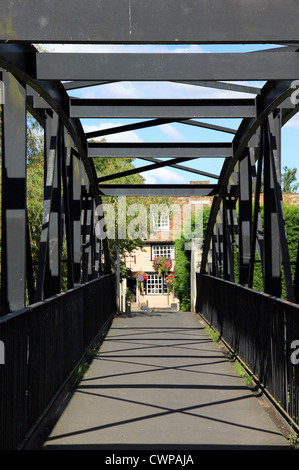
(154, 22)
(73, 85)
(169, 150)
(162, 108)
(143, 190)
(274, 65)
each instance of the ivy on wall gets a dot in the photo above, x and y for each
(182, 256)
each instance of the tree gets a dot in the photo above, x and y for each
(35, 139)
(288, 178)
(182, 273)
(104, 167)
(115, 166)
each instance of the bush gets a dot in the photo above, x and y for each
(182, 267)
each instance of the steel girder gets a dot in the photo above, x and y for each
(69, 153)
(159, 150)
(70, 181)
(143, 190)
(280, 64)
(155, 22)
(167, 109)
(73, 85)
(256, 141)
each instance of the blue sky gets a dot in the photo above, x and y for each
(175, 132)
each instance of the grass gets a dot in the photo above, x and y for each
(83, 368)
(293, 439)
(237, 366)
(213, 334)
(242, 372)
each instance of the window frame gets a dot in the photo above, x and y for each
(169, 247)
(158, 224)
(160, 279)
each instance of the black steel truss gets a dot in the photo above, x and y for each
(164, 109)
(280, 65)
(160, 150)
(155, 22)
(42, 82)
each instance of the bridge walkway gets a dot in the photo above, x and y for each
(160, 382)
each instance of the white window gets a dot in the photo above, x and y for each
(160, 221)
(166, 251)
(155, 284)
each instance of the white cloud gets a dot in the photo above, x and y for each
(149, 179)
(120, 48)
(171, 132)
(122, 90)
(293, 123)
(157, 90)
(163, 176)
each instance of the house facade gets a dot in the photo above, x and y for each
(154, 291)
(153, 266)
(152, 285)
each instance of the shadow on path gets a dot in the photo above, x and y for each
(159, 382)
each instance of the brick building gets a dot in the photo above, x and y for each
(155, 289)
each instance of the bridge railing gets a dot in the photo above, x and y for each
(42, 347)
(262, 331)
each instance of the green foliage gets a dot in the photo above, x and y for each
(182, 264)
(292, 226)
(35, 203)
(215, 336)
(182, 274)
(35, 186)
(111, 166)
(242, 372)
(293, 439)
(292, 223)
(35, 139)
(182, 270)
(104, 167)
(288, 178)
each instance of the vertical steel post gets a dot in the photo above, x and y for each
(256, 235)
(66, 157)
(53, 268)
(87, 238)
(228, 227)
(245, 215)
(275, 128)
(50, 157)
(216, 254)
(272, 251)
(97, 245)
(30, 275)
(14, 221)
(75, 215)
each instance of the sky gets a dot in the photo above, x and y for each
(175, 132)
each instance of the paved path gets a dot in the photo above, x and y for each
(159, 382)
